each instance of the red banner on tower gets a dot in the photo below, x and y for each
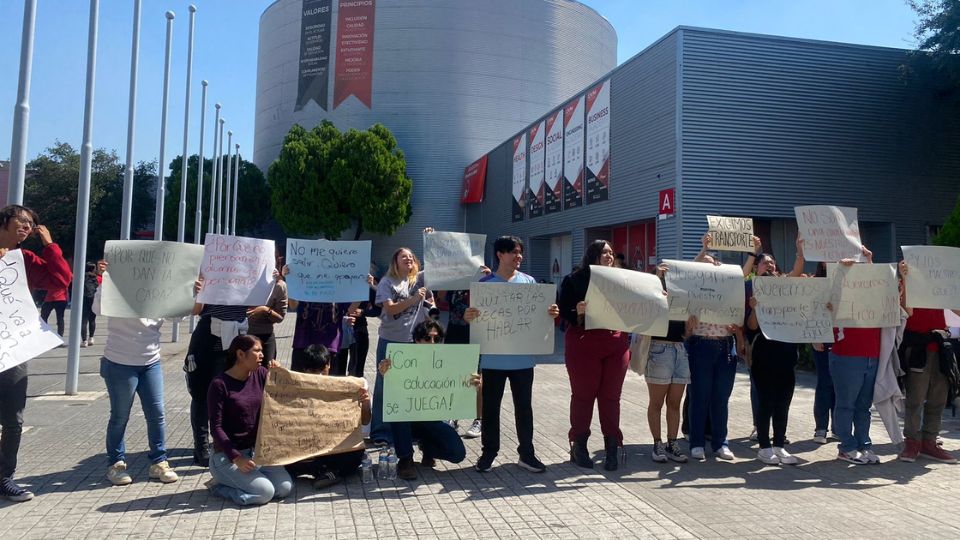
(354, 67)
(474, 178)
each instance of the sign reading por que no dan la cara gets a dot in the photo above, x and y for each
(149, 279)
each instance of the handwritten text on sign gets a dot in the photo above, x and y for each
(730, 233)
(829, 233)
(715, 294)
(325, 271)
(864, 295)
(237, 271)
(452, 260)
(305, 415)
(793, 309)
(933, 276)
(513, 318)
(430, 382)
(620, 299)
(22, 334)
(149, 279)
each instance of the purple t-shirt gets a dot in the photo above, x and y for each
(319, 324)
(234, 408)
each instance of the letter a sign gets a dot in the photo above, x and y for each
(667, 203)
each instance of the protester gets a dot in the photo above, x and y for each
(92, 280)
(361, 334)
(496, 369)
(261, 319)
(405, 302)
(824, 399)
(234, 403)
(131, 365)
(55, 301)
(437, 439)
(330, 469)
(596, 363)
(458, 331)
(926, 351)
(320, 323)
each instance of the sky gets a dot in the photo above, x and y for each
(225, 54)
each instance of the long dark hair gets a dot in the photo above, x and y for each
(243, 342)
(591, 255)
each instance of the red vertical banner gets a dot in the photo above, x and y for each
(535, 187)
(474, 178)
(598, 142)
(354, 66)
(519, 175)
(573, 153)
(553, 199)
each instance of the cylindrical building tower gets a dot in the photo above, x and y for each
(450, 78)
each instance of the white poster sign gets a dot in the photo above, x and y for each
(452, 260)
(933, 276)
(237, 271)
(328, 271)
(513, 317)
(794, 309)
(625, 300)
(149, 279)
(829, 233)
(730, 233)
(715, 294)
(23, 335)
(864, 295)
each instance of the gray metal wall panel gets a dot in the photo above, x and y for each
(770, 123)
(642, 146)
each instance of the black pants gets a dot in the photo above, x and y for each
(521, 386)
(358, 352)
(342, 465)
(338, 366)
(269, 343)
(89, 319)
(210, 359)
(13, 399)
(773, 375)
(59, 306)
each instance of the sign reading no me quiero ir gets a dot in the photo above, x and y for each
(327, 271)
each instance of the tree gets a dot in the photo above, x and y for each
(949, 234)
(325, 182)
(51, 190)
(938, 41)
(253, 198)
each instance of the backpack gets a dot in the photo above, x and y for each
(90, 285)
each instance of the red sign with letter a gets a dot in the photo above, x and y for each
(667, 203)
(474, 177)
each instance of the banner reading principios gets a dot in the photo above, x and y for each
(573, 153)
(314, 53)
(519, 175)
(535, 191)
(354, 67)
(553, 169)
(598, 142)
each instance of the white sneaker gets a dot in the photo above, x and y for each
(90, 341)
(475, 430)
(84, 344)
(767, 456)
(724, 453)
(786, 458)
(161, 471)
(117, 474)
(870, 457)
(753, 435)
(697, 453)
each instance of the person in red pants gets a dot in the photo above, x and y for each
(596, 362)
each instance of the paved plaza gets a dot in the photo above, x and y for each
(63, 461)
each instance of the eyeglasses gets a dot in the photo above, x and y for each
(24, 224)
(432, 339)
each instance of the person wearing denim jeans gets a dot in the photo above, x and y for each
(713, 370)
(259, 486)
(853, 381)
(824, 399)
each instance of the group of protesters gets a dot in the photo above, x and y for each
(233, 347)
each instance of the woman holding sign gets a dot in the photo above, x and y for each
(596, 363)
(234, 408)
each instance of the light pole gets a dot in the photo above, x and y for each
(127, 206)
(161, 188)
(83, 205)
(21, 111)
(220, 177)
(236, 189)
(228, 179)
(213, 174)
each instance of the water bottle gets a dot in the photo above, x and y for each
(366, 469)
(392, 464)
(383, 467)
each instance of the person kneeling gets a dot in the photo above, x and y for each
(330, 469)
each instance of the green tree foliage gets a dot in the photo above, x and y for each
(326, 181)
(253, 199)
(51, 190)
(938, 39)
(949, 234)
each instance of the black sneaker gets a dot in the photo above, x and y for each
(485, 463)
(532, 464)
(13, 492)
(673, 452)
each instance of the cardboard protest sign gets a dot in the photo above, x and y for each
(731, 233)
(304, 416)
(513, 317)
(23, 335)
(430, 382)
(452, 260)
(794, 309)
(864, 295)
(149, 279)
(625, 300)
(326, 271)
(933, 276)
(715, 294)
(237, 271)
(829, 233)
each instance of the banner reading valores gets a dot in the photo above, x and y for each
(25, 335)
(625, 300)
(794, 309)
(430, 382)
(933, 276)
(715, 294)
(864, 295)
(149, 279)
(305, 415)
(328, 271)
(513, 318)
(452, 260)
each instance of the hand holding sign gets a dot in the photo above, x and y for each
(149, 279)
(237, 271)
(452, 260)
(23, 335)
(731, 233)
(829, 233)
(512, 318)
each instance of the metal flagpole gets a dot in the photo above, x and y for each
(219, 219)
(83, 206)
(184, 159)
(227, 180)
(126, 212)
(21, 111)
(213, 175)
(161, 167)
(198, 222)
(236, 189)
